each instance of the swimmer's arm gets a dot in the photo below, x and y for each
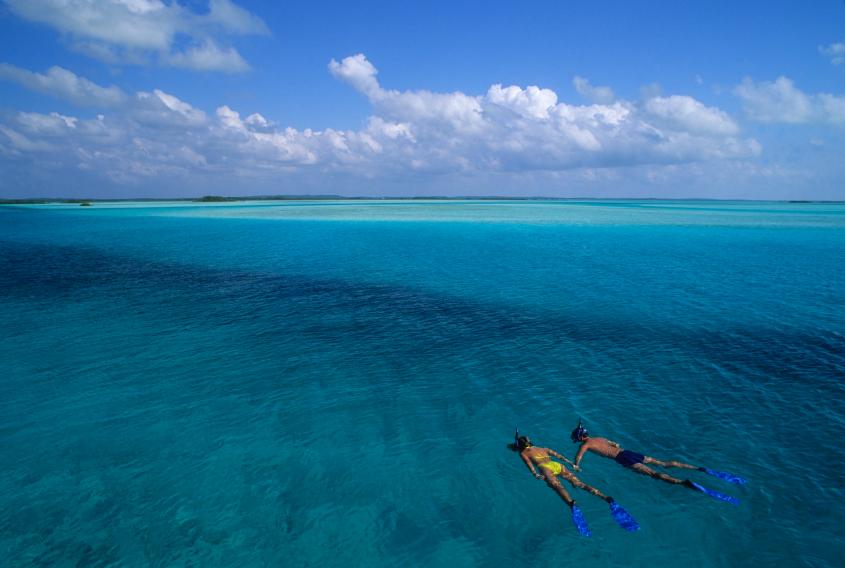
(530, 466)
(580, 455)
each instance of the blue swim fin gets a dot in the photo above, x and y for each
(623, 518)
(580, 521)
(729, 477)
(715, 494)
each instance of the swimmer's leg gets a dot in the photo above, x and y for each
(577, 516)
(553, 482)
(652, 461)
(723, 475)
(588, 488)
(640, 468)
(619, 514)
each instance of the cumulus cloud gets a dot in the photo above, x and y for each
(508, 129)
(781, 101)
(359, 73)
(686, 113)
(532, 102)
(142, 31)
(512, 127)
(835, 51)
(601, 95)
(60, 82)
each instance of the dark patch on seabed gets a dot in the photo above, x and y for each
(63, 273)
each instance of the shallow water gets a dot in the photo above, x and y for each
(319, 382)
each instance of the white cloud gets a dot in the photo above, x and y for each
(50, 124)
(234, 19)
(532, 102)
(165, 111)
(508, 130)
(178, 106)
(359, 73)
(781, 101)
(601, 95)
(20, 143)
(209, 57)
(62, 83)
(147, 24)
(689, 114)
(140, 31)
(836, 52)
(512, 128)
(832, 107)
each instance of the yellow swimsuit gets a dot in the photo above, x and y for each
(554, 467)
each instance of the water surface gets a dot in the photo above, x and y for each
(294, 383)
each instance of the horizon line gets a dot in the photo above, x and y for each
(332, 197)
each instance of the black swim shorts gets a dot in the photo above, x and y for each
(628, 458)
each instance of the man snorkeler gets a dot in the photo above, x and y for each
(637, 462)
(553, 471)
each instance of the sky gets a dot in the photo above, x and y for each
(155, 98)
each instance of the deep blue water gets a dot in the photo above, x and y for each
(306, 384)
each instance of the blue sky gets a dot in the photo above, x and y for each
(145, 98)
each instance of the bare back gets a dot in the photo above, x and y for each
(600, 446)
(536, 454)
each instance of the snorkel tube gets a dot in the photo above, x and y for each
(579, 432)
(519, 442)
(515, 445)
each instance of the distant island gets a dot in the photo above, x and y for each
(215, 199)
(229, 199)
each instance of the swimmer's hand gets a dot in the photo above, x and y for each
(537, 476)
(576, 467)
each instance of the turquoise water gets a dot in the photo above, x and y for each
(313, 383)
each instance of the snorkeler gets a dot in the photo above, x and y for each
(542, 457)
(636, 461)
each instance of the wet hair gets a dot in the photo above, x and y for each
(520, 443)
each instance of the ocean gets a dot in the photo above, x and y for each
(312, 383)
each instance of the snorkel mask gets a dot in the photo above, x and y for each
(579, 432)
